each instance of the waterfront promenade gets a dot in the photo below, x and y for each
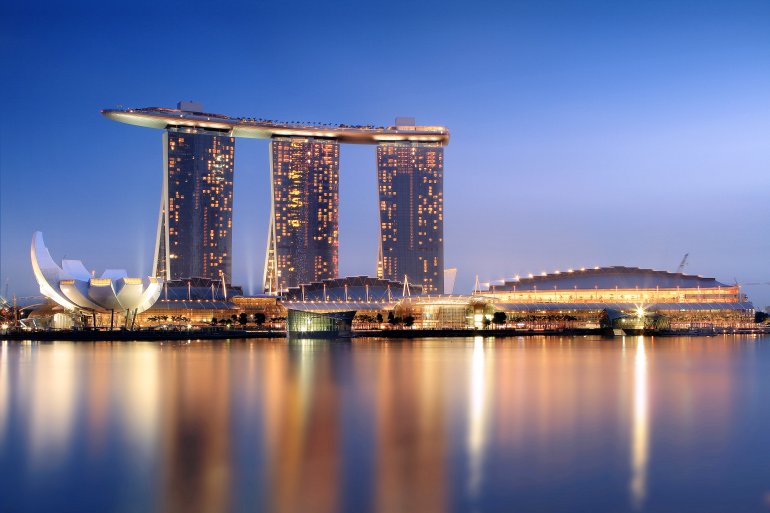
(234, 334)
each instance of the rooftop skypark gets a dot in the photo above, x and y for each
(257, 128)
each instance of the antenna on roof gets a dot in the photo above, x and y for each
(682, 264)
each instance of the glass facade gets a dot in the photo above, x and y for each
(304, 221)
(196, 214)
(336, 323)
(411, 193)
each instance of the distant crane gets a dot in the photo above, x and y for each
(682, 264)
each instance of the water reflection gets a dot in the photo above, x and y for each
(477, 415)
(196, 466)
(139, 381)
(410, 440)
(385, 426)
(303, 446)
(640, 434)
(5, 388)
(50, 385)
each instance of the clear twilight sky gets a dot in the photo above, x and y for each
(583, 133)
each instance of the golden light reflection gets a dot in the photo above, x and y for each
(304, 442)
(410, 440)
(5, 388)
(141, 409)
(196, 452)
(640, 428)
(477, 418)
(379, 426)
(98, 390)
(53, 386)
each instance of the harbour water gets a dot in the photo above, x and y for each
(429, 425)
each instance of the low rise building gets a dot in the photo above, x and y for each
(582, 297)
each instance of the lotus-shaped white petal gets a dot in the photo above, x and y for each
(72, 286)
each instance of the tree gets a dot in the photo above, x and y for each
(259, 319)
(486, 322)
(408, 321)
(379, 317)
(214, 320)
(760, 317)
(499, 318)
(243, 319)
(391, 318)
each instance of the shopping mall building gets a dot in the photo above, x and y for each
(584, 297)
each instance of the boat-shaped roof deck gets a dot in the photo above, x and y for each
(162, 118)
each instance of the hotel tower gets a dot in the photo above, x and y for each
(194, 234)
(302, 240)
(411, 191)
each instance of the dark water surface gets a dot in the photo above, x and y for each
(466, 424)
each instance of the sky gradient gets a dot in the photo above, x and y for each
(583, 133)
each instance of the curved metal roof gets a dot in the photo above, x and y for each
(654, 307)
(179, 304)
(162, 118)
(337, 306)
(608, 278)
(358, 289)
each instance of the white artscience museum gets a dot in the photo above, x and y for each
(74, 288)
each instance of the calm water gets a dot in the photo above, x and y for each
(518, 424)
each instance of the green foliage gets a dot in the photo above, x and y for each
(657, 322)
(499, 318)
(243, 319)
(259, 319)
(408, 320)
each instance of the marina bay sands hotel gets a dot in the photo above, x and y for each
(194, 233)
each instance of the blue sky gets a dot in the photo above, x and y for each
(583, 133)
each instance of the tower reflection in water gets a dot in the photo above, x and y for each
(303, 431)
(195, 441)
(383, 426)
(410, 441)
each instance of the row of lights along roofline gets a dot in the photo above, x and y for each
(161, 118)
(558, 272)
(582, 269)
(531, 275)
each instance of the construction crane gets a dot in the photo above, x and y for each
(682, 264)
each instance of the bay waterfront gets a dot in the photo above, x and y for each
(452, 424)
